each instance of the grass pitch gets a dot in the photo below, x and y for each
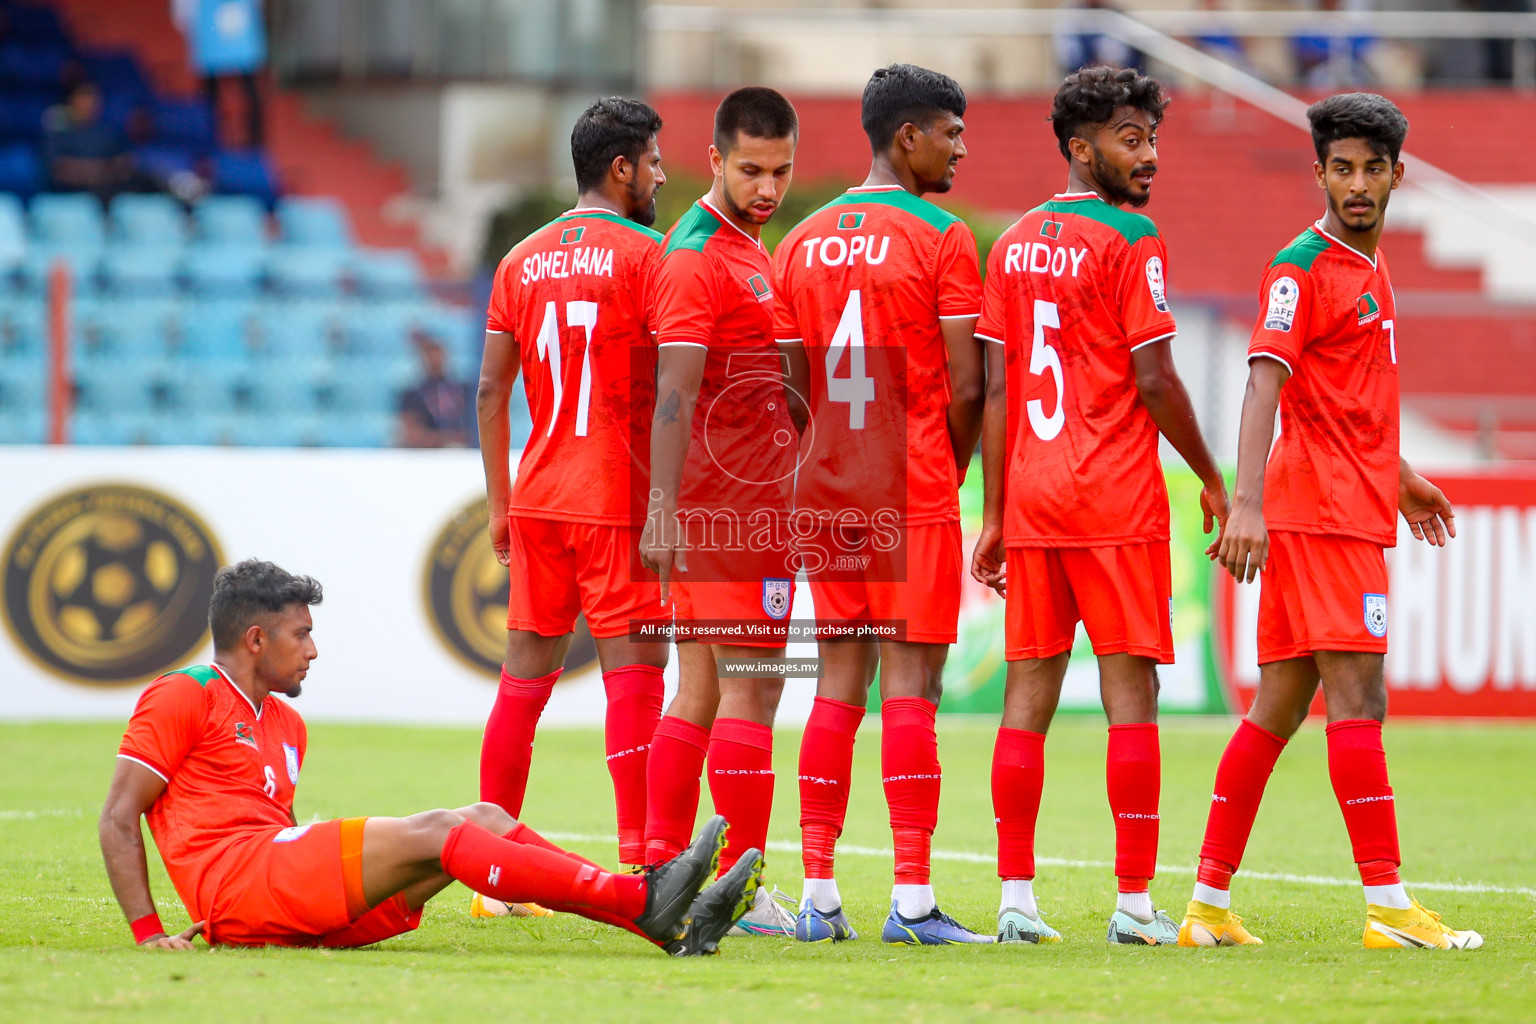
(1467, 815)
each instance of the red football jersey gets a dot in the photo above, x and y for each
(1072, 289)
(713, 291)
(863, 283)
(576, 296)
(1327, 313)
(230, 770)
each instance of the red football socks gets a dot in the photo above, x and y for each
(634, 707)
(507, 749)
(1018, 776)
(523, 834)
(1134, 777)
(531, 873)
(1240, 780)
(826, 770)
(672, 786)
(909, 766)
(1357, 766)
(741, 783)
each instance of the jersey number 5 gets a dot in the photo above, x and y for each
(577, 314)
(858, 388)
(1043, 357)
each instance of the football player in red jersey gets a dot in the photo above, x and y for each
(1076, 305)
(212, 756)
(1315, 514)
(878, 297)
(722, 466)
(571, 310)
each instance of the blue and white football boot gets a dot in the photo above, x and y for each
(812, 925)
(937, 929)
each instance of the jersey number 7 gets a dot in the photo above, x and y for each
(577, 314)
(858, 388)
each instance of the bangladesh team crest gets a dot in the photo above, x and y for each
(570, 236)
(1366, 309)
(244, 734)
(1376, 615)
(850, 221)
(759, 286)
(1051, 229)
(291, 757)
(776, 597)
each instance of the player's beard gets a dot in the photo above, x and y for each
(745, 216)
(643, 211)
(1345, 217)
(1117, 185)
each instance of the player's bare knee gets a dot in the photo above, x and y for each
(489, 816)
(437, 823)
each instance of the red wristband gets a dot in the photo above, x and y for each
(146, 927)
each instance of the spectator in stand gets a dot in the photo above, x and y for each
(1077, 45)
(227, 40)
(1219, 39)
(1333, 59)
(439, 412)
(83, 152)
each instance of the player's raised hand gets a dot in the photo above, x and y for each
(988, 563)
(182, 941)
(1214, 504)
(1243, 546)
(1426, 509)
(501, 539)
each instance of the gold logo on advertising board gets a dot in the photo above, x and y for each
(109, 583)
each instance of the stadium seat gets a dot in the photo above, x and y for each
(183, 123)
(230, 220)
(387, 274)
(140, 271)
(32, 65)
(307, 273)
(313, 222)
(21, 172)
(374, 430)
(245, 173)
(22, 113)
(23, 426)
(149, 221)
(36, 25)
(346, 394)
(23, 382)
(13, 233)
(117, 73)
(230, 271)
(218, 330)
(68, 219)
(377, 328)
(84, 265)
(136, 325)
(298, 329)
(23, 326)
(287, 386)
(94, 427)
(119, 384)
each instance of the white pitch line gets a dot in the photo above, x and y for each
(57, 812)
(968, 857)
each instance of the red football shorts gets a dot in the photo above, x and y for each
(302, 886)
(747, 614)
(560, 570)
(915, 586)
(1122, 594)
(1321, 593)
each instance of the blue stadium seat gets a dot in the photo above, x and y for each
(287, 386)
(23, 382)
(23, 426)
(32, 65)
(84, 265)
(140, 271)
(346, 394)
(298, 329)
(230, 271)
(117, 385)
(134, 325)
(151, 221)
(117, 73)
(23, 327)
(13, 233)
(218, 330)
(307, 273)
(230, 220)
(94, 427)
(21, 115)
(21, 172)
(314, 222)
(377, 329)
(163, 161)
(71, 219)
(36, 25)
(183, 123)
(245, 173)
(387, 274)
(375, 430)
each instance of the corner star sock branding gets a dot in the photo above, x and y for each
(1357, 766)
(1133, 774)
(634, 707)
(1241, 776)
(672, 786)
(507, 750)
(909, 767)
(529, 873)
(741, 783)
(1018, 777)
(826, 769)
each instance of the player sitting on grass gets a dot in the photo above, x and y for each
(1316, 515)
(212, 757)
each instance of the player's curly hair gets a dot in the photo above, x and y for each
(612, 127)
(757, 111)
(1090, 96)
(1358, 115)
(249, 590)
(906, 94)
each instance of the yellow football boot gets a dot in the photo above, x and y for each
(484, 906)
(1414, 928)
(1205, 925)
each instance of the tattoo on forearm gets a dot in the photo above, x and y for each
(667, 412)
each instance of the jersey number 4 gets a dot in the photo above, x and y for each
(858, 388)
(577, 314)
(1043, 358)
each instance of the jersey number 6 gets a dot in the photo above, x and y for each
(577, 314)
(1043, 357)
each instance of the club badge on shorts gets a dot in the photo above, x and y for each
(290, 833)
(291, 755)
(776, 597)
(1376, 614)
